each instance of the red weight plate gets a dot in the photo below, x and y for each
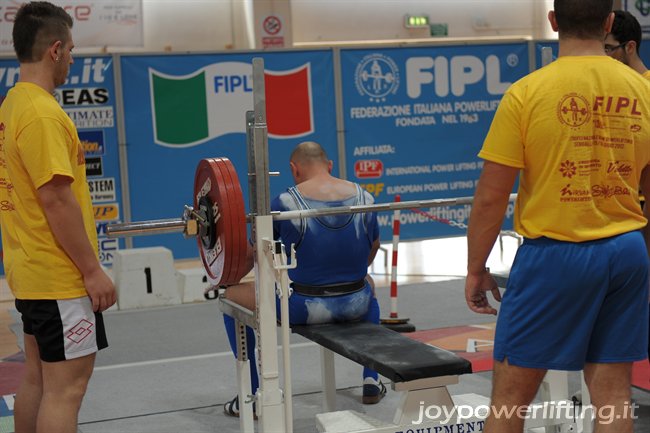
(236, 203)
(216, 178)
(208, 182)
(231, 241)
(232, 247)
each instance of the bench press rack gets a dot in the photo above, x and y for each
(424, 383)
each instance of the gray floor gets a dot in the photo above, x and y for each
(171, 370)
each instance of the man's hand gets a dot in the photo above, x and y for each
(476, 287)
(101, 290)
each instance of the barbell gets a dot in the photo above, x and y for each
(218, 219)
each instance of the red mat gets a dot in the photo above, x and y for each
(475, 342)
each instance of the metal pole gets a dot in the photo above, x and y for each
(270, 399)
(340, 117)
(153, 227)
(311, 213)
(121, 143)
(260, 141)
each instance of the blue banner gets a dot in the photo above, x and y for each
(415, 120)
(88, 97)
(180, 109)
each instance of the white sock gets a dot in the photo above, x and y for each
(370, 381)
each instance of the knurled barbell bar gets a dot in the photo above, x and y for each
(218, 219)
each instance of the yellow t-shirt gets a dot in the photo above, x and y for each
(646, 75)
(579, 130)
(37, 141)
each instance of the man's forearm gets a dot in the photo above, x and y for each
(488, 210)
(484, 227)
(66, 222)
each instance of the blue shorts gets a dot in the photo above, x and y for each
(568, 304)
(313, 310)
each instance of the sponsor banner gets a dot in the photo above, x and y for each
(92, 142)
(97, 23)
(88, 97)
(106, 212)
(102, 190)
(107, 249)
(94, 166)
(92, 118)
(415, 120)
(185, 107)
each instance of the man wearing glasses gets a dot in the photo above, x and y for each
(624, 41)
(623, 44)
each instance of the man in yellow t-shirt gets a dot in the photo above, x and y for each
(48, 232)
(577, 133)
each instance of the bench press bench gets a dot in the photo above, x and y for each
(420, 370)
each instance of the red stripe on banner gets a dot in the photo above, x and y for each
(288, 103)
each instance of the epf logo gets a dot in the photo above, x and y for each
(368, 168)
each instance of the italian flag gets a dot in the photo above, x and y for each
(191, 109)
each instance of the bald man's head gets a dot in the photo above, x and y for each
(309, 152)
(307, 160)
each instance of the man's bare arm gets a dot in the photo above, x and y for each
(66, 222)
(488, 210)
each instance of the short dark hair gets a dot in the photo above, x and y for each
(37, 26)
(582, 19)
(626, 28)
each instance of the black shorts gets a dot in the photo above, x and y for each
(64, 329)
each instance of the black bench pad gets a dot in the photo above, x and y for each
(391, 354)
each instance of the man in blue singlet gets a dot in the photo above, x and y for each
(330, 283)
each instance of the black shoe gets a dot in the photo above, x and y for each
(372, 394)
(231, 408)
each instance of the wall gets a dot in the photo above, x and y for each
(209, 25)
(336, 20)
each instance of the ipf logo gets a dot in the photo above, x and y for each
(377, 76)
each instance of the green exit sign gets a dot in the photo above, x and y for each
(416, 21)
